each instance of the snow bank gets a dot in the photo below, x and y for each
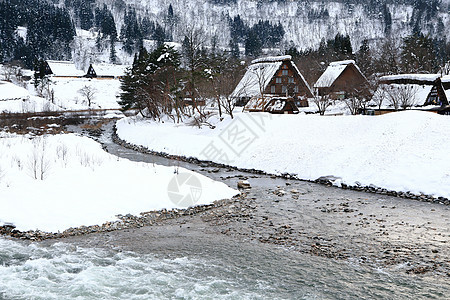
(83, 185)
(401, 151)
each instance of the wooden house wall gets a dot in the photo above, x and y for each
(302, 89)
(347, 81)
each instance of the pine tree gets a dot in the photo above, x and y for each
(418, 54)
(112, 52)
(234, 46)
(159, 35)
(131, 34)
(364, 58)
(151, 84)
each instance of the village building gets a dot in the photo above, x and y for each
(273, 76)
(428, 92)
(272, 104)
(106, 71)
(340, 79)
(64, 69)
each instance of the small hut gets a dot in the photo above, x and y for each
(272, 104)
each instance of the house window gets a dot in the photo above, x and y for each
(278, 80)
(340, 95)
(284, 72)
(285, 66)
(291, 79)
(272, 89)
(284, 89)
(296, 89)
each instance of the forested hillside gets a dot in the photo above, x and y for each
(114, 30)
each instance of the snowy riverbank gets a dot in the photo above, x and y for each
(52, 183)
(401, 151)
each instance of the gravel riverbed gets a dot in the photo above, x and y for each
(375, 230)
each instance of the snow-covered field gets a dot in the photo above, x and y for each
(16, 99)
(68, 97)
(402, 151)
(52, 183)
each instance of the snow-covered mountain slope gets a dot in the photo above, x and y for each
(305, 22)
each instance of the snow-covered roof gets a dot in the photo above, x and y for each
(64, 69)
(256, 78)
(272, 59)
(388, 93)
(416, 77)
(333, 71)
(9, 91)
(445, 78)
(109, 69)
(260, 73)
(342, 63)
(257, 104)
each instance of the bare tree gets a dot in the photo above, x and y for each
(402, 96)
(225, 76)
(38, 163)
(8, 72)
(88, 92)
(194, 61)
(357, 98)
(380, 95)
(2, 173)
(322, 103)
(262, 78)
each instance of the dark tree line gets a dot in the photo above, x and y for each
(261, 35)
(416, 53)
(49, 31)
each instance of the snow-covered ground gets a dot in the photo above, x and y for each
(83, 185)
(16, 99)
(106, 92)
(67, 95)
(402, 151)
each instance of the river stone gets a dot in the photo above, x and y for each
(243, 184)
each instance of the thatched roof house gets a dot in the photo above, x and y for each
(62, 69)
(106, 71)
(340, 78)
(276, 76)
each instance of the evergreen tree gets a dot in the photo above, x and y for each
(159, 35)
(151, 84)
(234, 47)
(112, 52)
(253, 44)
(364, 59)
(418, 54)
(147, 27)
(131, 34)
(387, 19)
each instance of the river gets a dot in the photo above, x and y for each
(192, 259)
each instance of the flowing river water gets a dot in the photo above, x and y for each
(191, 259)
